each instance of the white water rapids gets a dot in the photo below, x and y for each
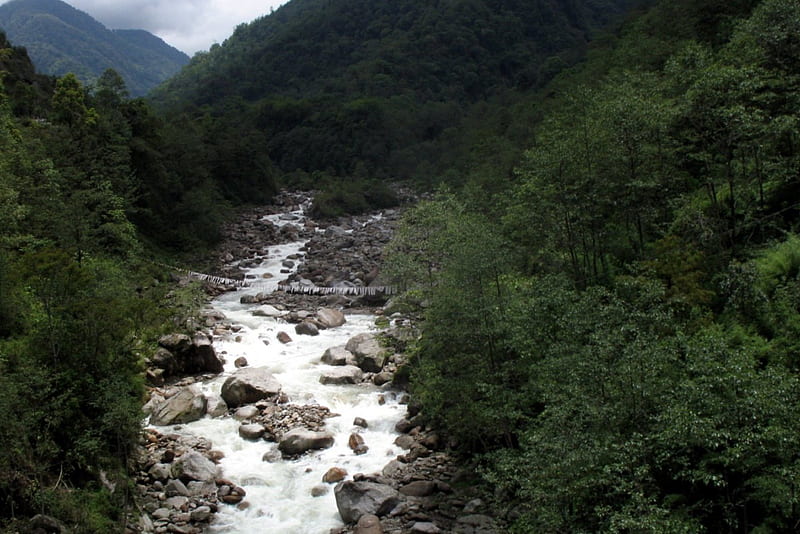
(279, 494)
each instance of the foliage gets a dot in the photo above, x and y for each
(393, 90)
(78, 301)
(635, 368)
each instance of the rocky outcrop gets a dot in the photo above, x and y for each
(249, 385)
(186, 406)
(299, 440)
(356, 499)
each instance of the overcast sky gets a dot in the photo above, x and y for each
(189, 25)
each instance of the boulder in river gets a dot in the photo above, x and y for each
(249, 385)
(349, 374)
(307, 328)
(252, 431)
(184, 407)
(356, 499)
(215, 405)
(338, 356)
(194, 466)
(330, 318)
(300, 440)
(284, 338)
(370, 356)
(181, 355)
(334, 475)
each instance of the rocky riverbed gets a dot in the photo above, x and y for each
(421, 488)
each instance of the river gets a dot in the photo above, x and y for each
(279, 494)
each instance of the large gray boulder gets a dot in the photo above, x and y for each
(299, 440)
(249, 385)
(194, 466)
(348, 374)
(330, 318)
(186, 406)
(338, 356)
(215, 405)
(306, 328)
(370, 356)
(356, 499)
(180, 355)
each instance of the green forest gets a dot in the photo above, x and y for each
(607, 268)
(613, 334)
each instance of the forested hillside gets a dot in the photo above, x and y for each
(93, 186)
(61, 39)
(339, 94)
(612, 335)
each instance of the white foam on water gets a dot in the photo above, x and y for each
(279, 495)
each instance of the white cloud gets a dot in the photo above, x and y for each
(189, 25)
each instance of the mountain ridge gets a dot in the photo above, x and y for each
(60, 39)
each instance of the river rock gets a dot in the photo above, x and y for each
(334, 475)
(330, 318)
(360, 421)
(356, 499)
(181, 355)
(175, 343)
(252, 431)
(300, 440)
(338, 356)
(419, 488)
(175, 487)
(306, 328)
(370, 356)
(184, 407)
(284, 338)
(194, 466)
(215, 405)
(201, 514)
(160, 471)
(246, 412)
(319, 490)
(425, 527)
(249, 385)
(369, 524)
(349, 374)
(268, 311)
(384, 377)
(240, 362)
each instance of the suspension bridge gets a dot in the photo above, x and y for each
(296, 288)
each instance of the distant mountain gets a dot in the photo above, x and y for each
(61, 39)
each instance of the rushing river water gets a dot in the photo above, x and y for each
(279, 494)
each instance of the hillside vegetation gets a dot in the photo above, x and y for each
(346, 95)
(613, 334)
(61, 39)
